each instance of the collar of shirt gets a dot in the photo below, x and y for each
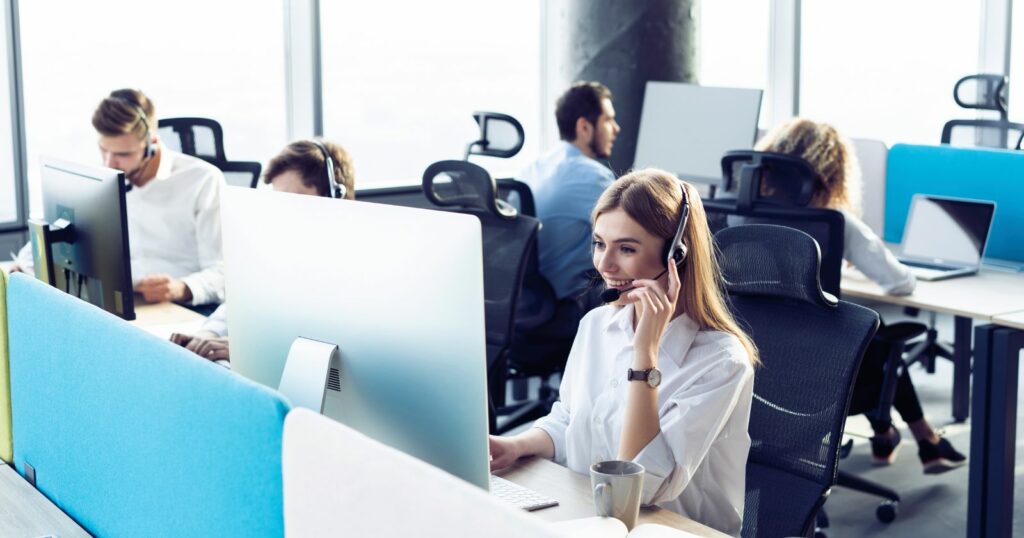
(676, 340)
(163, 170)
(571, 150)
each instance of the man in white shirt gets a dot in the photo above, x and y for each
(173, 205)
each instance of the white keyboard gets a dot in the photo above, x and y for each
(524, 498)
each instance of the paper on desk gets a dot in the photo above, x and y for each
(609, 527)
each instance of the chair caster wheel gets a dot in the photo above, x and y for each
(886, 512)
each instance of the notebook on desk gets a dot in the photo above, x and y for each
(945, 237)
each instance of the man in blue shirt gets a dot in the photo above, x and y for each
(566, 184)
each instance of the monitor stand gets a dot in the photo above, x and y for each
(44, 235)
(311, 371)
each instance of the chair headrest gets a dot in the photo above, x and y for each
(982, 91)
(768, 177)
(773, 261)
(465, 185)
(501, 135)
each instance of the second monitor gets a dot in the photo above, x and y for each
(685, 128)
(398, 290)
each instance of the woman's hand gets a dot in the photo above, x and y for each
(206, 344)
(504, 452)
(656, 308)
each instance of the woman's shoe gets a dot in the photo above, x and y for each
(939, 457)
(884, 447)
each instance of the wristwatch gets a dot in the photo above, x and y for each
(651, 375)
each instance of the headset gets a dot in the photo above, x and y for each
(150, 150)
(675, 250)
(334, 188)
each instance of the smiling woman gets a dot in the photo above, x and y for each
(664, 375)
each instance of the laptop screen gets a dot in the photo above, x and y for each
(947, 230)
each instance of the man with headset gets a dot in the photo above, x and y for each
(313, 167)
(173, 205)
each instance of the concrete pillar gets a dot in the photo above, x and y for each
(621, 44)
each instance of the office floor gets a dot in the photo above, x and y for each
(932, 505)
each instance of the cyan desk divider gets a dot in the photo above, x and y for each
(6, 442)
(133, 436)
(979, 173)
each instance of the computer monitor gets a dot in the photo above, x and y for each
(685, 128)
(398, 290)
(81, 245)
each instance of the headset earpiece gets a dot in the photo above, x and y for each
(150, 149)
(334, 188)
(676, 249)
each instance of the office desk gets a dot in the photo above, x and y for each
(980, 296)
(997, 350)
(162, 319)
(572, 490)
(26, 512)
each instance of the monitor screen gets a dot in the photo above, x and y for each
(685, 128)
(947, 230)
(398, 290)
(94, 264)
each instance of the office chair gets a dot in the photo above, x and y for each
(509, 241)
(811, 345)
(783, 202)
(983, 92)
(204, 138)
(501, 136)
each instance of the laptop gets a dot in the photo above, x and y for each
(945, 237)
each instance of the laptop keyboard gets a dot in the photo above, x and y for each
(517, 495)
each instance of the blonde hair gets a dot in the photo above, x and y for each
(829, 153)
(653, 199)
(120, 113)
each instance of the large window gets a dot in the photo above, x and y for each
(8, 175)
(733, 45)
(1016, 96)
(222, 60)
(886, 70)
(401, 81)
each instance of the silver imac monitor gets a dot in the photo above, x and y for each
(398, 290)
(686, 128)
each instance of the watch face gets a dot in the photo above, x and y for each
(654, 377)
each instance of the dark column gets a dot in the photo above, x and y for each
(623, 44)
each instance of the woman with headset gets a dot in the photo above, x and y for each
(838, 187)
(662, 375)
(313, 167)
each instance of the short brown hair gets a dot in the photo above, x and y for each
(305, 158)
(118, 114)
(581, 100)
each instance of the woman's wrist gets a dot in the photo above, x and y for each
(645, 359)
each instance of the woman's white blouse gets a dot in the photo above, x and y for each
(866, 251)
(696, 465)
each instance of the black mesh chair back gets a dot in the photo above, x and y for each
(983, 92)
(204, 138)
(811, 347)
(509, 242)
(775, 188)
(199, 137)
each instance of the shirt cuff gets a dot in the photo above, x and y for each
(659, 463)
(195, 285)
(557, 435)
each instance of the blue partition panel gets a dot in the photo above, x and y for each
(6, 450)
(132, 435)
(979, 173)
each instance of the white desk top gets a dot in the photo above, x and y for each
(979, 296)
(575, 500)
(26, 512)
(162, 319)
(1013, 319)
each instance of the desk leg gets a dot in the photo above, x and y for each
(1006, 347)
(977, 504)
(961, 368)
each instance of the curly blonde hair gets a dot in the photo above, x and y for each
(829, 153)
